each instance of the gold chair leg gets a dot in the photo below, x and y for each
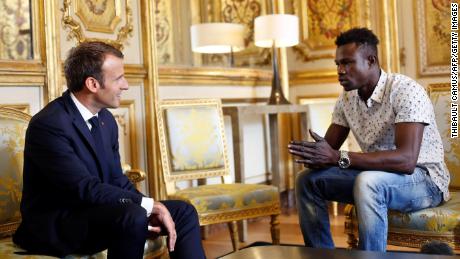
(275, 229)
(233, 227)
(204, 232)
(350, 227)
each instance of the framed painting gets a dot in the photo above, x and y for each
(322, 21)
(432, 27)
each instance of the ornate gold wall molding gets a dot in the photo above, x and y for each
(388, 35)
(22, 107)
(214, 76)
(135, 73)
(164, 31)
(93, 21)
(322, 21)
(432, 27)
(302, 98)
(312, 77)
(22, 73)
(52, 49)
(40, 70)
(155, 175)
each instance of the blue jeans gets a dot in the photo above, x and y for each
(372, 193)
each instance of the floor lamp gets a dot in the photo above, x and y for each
(275, 31)
(217, 38)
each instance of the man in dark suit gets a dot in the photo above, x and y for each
(75, 196)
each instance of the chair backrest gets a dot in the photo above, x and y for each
(440, 97)
(192, 140)
(13, 124)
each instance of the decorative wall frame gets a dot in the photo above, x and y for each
(127, 133)
(101, 16)
(432, 27)
(322, 21)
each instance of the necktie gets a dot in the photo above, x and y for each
(99, 144)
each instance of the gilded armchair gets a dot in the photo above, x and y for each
(440, 223)
(193, 146)
(13, 125)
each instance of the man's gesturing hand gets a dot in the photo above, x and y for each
(161, 222)
(314, 154)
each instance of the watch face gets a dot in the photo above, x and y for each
(344, 161)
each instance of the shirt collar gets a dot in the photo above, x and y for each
(85, 113)
(379, 90)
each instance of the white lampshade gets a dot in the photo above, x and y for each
(217, 37)
(281, 29)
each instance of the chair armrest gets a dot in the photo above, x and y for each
(134, 175)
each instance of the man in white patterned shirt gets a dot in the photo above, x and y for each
(402, 164)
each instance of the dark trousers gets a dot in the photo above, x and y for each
(123, 230)
(120, 228)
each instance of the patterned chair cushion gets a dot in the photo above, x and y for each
(153, 249)
(443, 219)
(219, 198)
(12, 134)
(192, 145)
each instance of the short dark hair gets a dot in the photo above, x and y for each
(85, 61)
(360, 36)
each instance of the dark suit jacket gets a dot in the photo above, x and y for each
(62, 174)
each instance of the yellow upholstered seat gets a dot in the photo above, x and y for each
(225, 198)
(441, 223)
(153, 249)
(13, 125)
(192, 144)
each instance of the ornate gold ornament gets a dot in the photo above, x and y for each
(97, 16)
(236, 11)
(95, 7)
(163, 13)
(322, 21)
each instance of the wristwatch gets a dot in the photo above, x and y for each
(344, 160)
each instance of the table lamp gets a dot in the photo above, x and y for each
(275, 31)
(217, 38)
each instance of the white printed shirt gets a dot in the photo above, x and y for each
(396, 98)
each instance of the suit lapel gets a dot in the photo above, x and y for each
(83, 129)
